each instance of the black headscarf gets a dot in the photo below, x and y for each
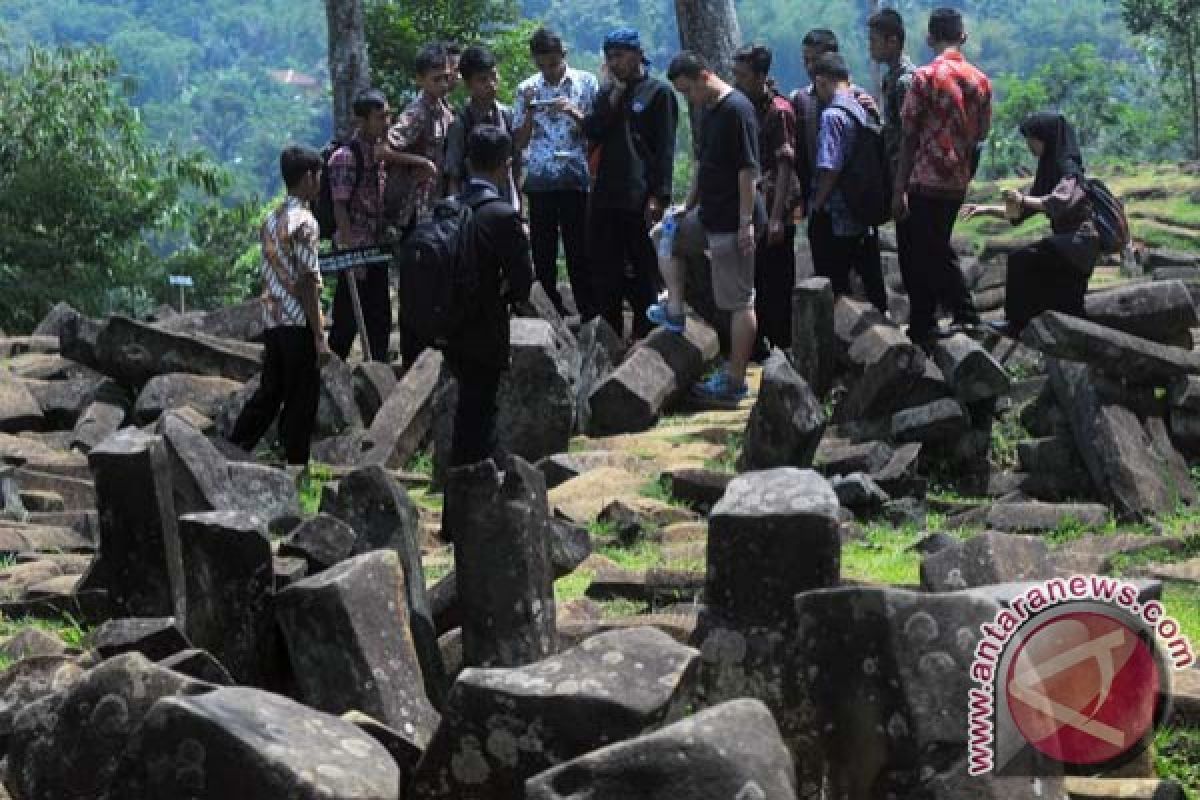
(1061, 157)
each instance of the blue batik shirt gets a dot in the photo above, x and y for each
(556, 158)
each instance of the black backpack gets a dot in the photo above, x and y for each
(323, 208)
(1108, 215)
(437, 271)
(865, 180)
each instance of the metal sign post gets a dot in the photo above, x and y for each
(184, 282)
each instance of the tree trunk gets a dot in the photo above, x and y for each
(710, 28)
(1194, 92)
(349, 68)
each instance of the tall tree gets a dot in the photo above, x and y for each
(349, 67)
(1177, 23)
(710, 28)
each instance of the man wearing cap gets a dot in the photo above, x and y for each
(633, 125)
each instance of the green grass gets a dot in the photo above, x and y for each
(70, 630)
(432, 501)
(883, 556)
(435, 572)
(310, 484)
(1007, 432)
(573, 586)
(421, 463)
(1183, 603)
(1177, 756)
(658, 489)
(728, 460)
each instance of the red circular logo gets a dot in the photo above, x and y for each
(1083, 688)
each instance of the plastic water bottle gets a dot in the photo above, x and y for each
(666, 235)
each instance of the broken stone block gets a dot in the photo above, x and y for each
(688, 354)
(204, 393)
(350, 646)
(1161, 311)
(970, 370)
(1042, 517)
(787, 421)
(497, 515)
(699, 488)
(31, 642)
(30, 679)
(562, 467)
(55, 320)
(503, 726)
(990, 557)
(229, 581)
(888, 365)
(138, 562)
(97, 422)
(600, 350)
(859, 493)
(321, 541)
(68, 744)
(374, 382)
(19, 411)
(842, 458)
(154, 637)
(1127, 467)
(233, 736)
(774, 534)
(1131, 358)
(535, 401)
(632, 397)
(198, 664)
(910, 654)
(403, 749)
(337, 410)
(133, 353)
(938, 422)
(736, 746)
(62, 401)
(812, 333)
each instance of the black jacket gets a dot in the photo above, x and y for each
(501, 253)
(638, 141)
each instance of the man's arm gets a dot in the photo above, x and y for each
(515, 259)
(402, 136)
(782, 138)
(523, 118)
(826, 182)
(664, 123)
(910, 116)
(308, 286)
(456, 147)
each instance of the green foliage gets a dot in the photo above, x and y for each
(421, 463)
(309, 486)
(1106, 102)
(81, 189)
(1177, 757)
(397, 29)
(71, 631)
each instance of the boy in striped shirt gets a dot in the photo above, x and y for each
(295, 330)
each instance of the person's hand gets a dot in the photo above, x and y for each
(775, 232)
(900, 206)
(745, 239)
(969, 211)
(654, 211)
(563, 105)
(868, 103)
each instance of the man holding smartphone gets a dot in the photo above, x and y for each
(548, 125)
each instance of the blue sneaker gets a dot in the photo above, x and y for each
(720, 391)
(657, 313)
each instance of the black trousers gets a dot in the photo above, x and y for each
(551, 214)
(376, 302)
(291, 379)
(934, 277)
(774, 279)
(624, 267)
(1039, 279)
(834, 257)
(475, 416)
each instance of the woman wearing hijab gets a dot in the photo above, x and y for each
(1052, 273)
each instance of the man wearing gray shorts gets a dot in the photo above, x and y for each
(722, 214)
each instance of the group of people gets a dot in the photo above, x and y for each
(590, 162)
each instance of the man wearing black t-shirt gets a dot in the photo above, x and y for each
(723, 213)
